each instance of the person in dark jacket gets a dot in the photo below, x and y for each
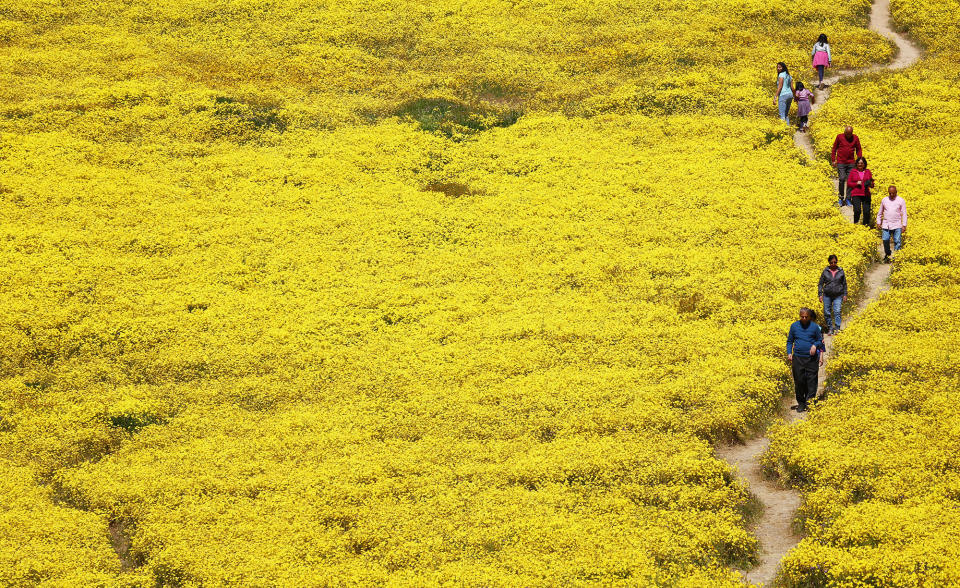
(832, 290)
(804, 351)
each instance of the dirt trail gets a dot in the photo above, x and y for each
(907, 55)
(774, 529)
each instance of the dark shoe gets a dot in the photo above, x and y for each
(794, 407)
(886, 259)
(802, 408)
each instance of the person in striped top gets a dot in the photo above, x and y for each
(892, 221)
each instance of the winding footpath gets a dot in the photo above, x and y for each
(775, 527)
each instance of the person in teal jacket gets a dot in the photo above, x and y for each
(784, 91)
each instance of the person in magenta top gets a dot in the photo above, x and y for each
(892, 221)
(846, 150)
(860, 182)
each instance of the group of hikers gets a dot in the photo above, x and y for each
(788, 91)
(855, 182)
(805, 339)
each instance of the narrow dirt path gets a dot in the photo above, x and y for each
(774, 529)
(907, 55)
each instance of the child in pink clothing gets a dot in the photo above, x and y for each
(805, 99)
(821, 57)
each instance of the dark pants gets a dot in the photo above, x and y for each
(843, 170)
(820, 72)
(803, 121)
(805, 372)
(864, 202)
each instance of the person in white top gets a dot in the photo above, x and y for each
(892, 221)
(821, 57)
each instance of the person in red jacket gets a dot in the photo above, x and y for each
(846, 150)
(860, 181)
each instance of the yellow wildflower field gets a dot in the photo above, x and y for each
(384, 292)
(349, 358)
(878, 463)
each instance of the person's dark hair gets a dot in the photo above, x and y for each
(822, 38)
(863, 159)
(798, 86)
(811, 312)
(784, 66)
(832, 257)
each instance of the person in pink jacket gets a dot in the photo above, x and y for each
(860, 184)
(892, 221)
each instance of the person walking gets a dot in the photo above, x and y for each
(832, 291)
(821, 58)
(860, 182)
(784, 91)
(846, 150)
(804, 100)
(892, 221)
(804, 352)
